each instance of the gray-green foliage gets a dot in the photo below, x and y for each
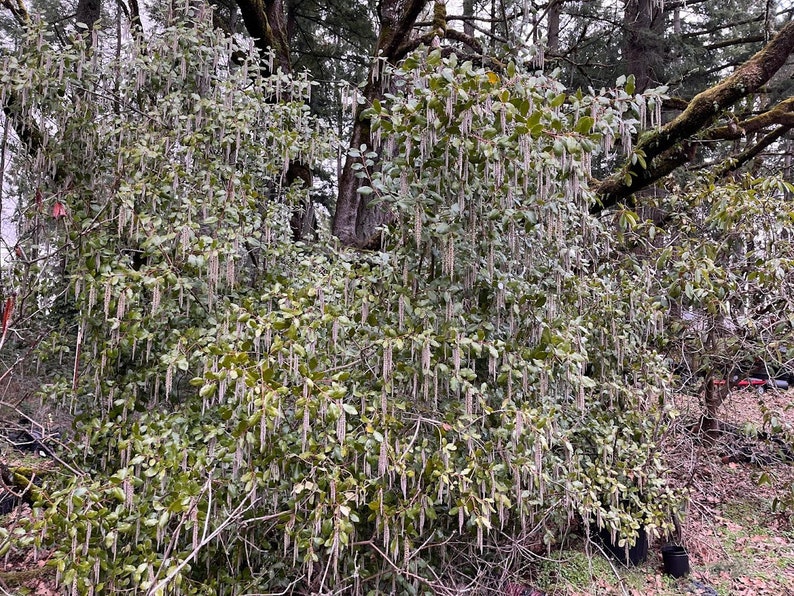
(723, 258)
(170, 165)
(258, 415)
(502, 244)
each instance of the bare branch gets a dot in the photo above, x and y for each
(734, 42)
(737, 161)
(439, 29)
(468, 40)
(721, 26)
(396, 25)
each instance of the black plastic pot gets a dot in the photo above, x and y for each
(635, 555)
(676, 560)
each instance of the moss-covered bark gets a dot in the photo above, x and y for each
(267, 24)
(782, 113)
(670, 146)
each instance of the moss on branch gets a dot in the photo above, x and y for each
(670, 146)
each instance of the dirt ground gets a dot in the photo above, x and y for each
(25, 572)
(738, 528)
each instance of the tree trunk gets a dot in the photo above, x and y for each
(88, 12)
(643, 22)
(356, 221)
(553, 22)
(713, 396)
(267, 23)
(468, 12)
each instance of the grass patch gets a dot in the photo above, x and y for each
(573, 571)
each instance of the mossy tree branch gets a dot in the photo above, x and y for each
(737, 161)
(671, 146)
(780, 114)
(18, 9)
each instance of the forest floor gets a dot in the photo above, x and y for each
(739, 525)
(738, 528)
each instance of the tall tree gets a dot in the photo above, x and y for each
(88, 13)
(355, 220)
(266, 21)
(643, 42)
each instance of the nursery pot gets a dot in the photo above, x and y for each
(676, 560)
(635, 555)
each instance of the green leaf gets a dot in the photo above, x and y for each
(584, 125)
(630, 84)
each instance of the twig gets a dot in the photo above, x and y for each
(241, 508)
(50, 452)
(612, 565)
